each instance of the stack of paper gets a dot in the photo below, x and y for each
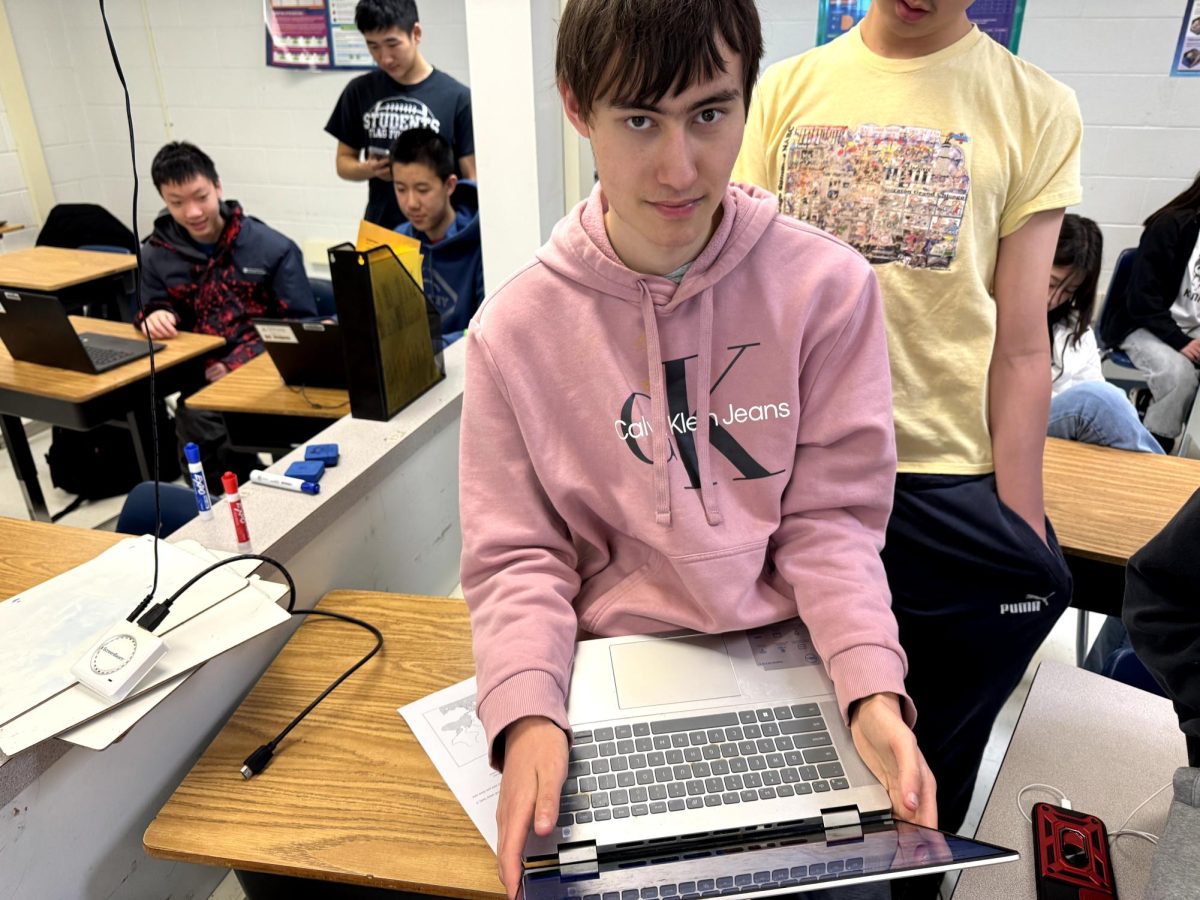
(49, 626)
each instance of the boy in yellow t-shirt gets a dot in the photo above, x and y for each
(947, 162)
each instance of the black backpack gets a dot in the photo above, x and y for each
(103, 463)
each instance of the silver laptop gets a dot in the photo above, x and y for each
(718, 765)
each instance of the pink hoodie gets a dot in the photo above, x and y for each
(642, 457)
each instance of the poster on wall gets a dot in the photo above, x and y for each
(314, 34)
(1000, 19)
(1187, 52)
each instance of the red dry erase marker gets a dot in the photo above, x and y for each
(235, 508)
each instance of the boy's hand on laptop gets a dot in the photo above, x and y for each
(160, 325)
(889, 749)
(535, 767)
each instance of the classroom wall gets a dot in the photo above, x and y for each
(15, 205)
(196, 72)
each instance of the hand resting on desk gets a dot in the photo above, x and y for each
(160, 325)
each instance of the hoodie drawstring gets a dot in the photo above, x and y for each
(708, 490)
(658, 411)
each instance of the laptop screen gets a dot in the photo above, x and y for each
(787, 863)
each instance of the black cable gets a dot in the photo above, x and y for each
(300, 389)
(258, 760)
(137, 303)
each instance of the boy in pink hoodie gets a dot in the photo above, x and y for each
(678, 416)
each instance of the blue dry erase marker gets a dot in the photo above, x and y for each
(199, 484)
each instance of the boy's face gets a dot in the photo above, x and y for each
(911, 19)
(394, 50)
(423, 197)
(665, 167)
(196, 205)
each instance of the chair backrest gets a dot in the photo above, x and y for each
(1124, 666)
(1115, 295)
(75, 225)
(178, 505)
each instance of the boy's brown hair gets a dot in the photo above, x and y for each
(635, 52)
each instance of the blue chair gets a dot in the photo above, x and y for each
(178, 505)
(1118, 368)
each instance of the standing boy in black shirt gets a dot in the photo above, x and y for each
(404, 92)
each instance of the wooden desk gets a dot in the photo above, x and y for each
(52, 269)
(79, 401)
(263, 413)
(1106, 745)
(35, 552)
(350, 796)
(1105, 504)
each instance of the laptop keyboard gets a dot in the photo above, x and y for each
(105, 356)
(719, 759)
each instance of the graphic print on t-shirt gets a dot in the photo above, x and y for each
(895, 193)
(392, 116)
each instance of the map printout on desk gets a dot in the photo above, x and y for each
(448, 729)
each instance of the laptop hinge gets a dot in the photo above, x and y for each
(578, 859)
(842, 823)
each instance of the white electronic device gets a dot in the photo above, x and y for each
(118, 661)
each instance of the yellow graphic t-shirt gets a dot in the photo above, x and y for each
(922, 165)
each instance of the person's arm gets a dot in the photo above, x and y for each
(834, 515)
(289, 283)
(466, 165)
(1019, 374)
(1155, 278)
(464, 137)
(351, 168)
(161, 316)
(519, 578)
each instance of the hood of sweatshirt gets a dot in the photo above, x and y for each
(579, 249)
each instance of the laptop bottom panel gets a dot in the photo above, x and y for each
(783, 863)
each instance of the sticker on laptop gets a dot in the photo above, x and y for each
(276, 334)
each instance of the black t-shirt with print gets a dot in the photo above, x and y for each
(374, 110)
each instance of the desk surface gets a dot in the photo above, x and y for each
(55, 268)
(1108, 747)
(63, 384)
(373, 810)
(35, 552)
(1106, 504)
(256, 388)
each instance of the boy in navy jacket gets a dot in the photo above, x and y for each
(452, 268)
(211, 269)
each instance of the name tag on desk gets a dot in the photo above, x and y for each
(276, 334)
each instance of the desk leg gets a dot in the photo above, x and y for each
(1081, 637)
(26, 471)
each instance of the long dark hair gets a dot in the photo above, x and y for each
(1080, 246)
(1188, 200)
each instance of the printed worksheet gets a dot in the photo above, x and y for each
(448, 729)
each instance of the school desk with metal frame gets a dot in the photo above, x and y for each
(262, 414)
(78, 278)
(1105, 505)
(82, 401)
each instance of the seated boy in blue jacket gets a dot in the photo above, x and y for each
(452, 269)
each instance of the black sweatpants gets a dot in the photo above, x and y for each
(975, 592)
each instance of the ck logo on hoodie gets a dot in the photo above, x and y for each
(683, 424)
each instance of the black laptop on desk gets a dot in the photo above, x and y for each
(307, 354)
(35, 328)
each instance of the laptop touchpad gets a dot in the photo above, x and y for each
(673, 670)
